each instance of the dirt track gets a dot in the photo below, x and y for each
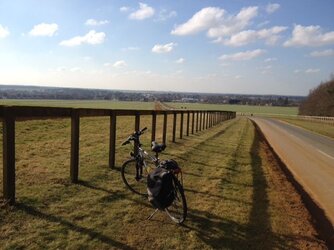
(309, 158)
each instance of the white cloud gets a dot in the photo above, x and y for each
(165, 15)
(120, 64)
(202, 20)
(323, 53)
(163, 48)
(272, 7)
(311, 71)
(124, 9)
(270, 59)
(242, 56)
(4, 32)
(247, 36)
(180, 60)
(271, 35)
(92, 37)
(217, 23)
(130, 48)
(309, 36)
(142, 13)
(44, 29)
(297, 71)
(234, 24)
(93, 22)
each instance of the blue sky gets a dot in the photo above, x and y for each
(248, 47)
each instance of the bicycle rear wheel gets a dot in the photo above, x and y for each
(134, 176)
(177, 211)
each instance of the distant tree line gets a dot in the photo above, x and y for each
(33, 92)
(320, 101)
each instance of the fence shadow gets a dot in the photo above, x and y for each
(71, 226)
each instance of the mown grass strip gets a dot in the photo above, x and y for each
(317, 127)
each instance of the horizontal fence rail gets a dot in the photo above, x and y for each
(323, 119)
(320, 119)
(196, 120)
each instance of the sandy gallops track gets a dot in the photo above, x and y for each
(310, 160)
(162, 106)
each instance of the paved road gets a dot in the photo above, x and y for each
(309, 157)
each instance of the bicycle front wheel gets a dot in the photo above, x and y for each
(134, 176)
(177, 211)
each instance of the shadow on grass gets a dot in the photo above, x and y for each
(259, 232)
(118, 195)
(219, 232)
(71, 226)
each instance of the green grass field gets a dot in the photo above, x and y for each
(237, 196)
(244, 109)
(80, 104)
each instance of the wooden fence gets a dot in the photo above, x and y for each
(200, 120)
(321, 119)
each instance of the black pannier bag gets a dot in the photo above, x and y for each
(160, 188)
(171, 165)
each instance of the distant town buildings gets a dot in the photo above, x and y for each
(30, 92)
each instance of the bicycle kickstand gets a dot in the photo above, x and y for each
(150, 217)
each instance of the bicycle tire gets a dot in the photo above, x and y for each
(128, 171)
(177, 211)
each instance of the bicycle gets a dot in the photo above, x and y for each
(136, 170)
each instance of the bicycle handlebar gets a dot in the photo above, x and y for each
(134, 136)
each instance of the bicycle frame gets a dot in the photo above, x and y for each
(141, 158)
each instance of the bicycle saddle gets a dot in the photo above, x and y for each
(156, 147)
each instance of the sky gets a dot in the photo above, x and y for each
(235, 46)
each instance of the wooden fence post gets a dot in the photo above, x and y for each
(75, 128)
(174, 126)
(188, 121)
(154, 125)
(197, 114)
(211, 120)
(112, 141)
(164, 131)
(193, 122)
(200, 121)
(203, 124)
(9, 156)
(137, 128)
(181, 125)
(207, 120)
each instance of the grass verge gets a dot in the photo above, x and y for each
(237, 196)
(317, 127)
